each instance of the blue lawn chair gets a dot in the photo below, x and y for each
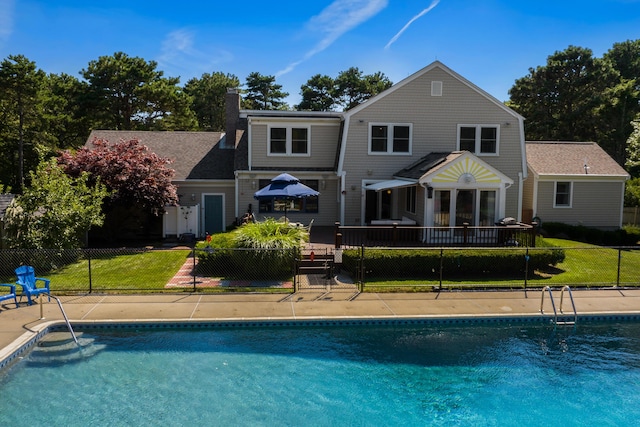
(11, 294)
(28, 281)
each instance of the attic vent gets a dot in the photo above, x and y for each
(436, 88)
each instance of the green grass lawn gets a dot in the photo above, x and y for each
(144, 271)
(584, 266)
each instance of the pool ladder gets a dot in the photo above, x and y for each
(64, 314)
(573, 322)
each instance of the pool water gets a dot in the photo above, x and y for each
(478, 375)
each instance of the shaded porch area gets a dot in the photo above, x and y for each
(518, 234)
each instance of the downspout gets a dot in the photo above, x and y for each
(520, 194)
(341, 172)
(624, 183)
(236, 195)
(425, 215)
(249, 142)
(343, 192)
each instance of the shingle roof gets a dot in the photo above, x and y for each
(570, 158)
(424, 165)
(195, 155)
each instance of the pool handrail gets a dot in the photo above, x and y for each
(573, 304)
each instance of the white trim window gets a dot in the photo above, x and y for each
(562, 194)
(290, 140)
(387, 138)
(479, 139)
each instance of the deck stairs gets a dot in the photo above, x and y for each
(318, 262)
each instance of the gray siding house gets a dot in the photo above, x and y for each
(575, 183)
(433, 150)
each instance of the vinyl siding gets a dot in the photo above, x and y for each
(435, 122)
(185, 190)
(323, 146)
(594, 204)
(327, 201)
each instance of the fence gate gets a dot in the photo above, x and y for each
(316, 271)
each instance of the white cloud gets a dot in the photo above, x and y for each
(179, 53)
(6, 19)
(433, 4)
(335, 20)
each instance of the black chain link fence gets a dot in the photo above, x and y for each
(380, 269)
(132, 270)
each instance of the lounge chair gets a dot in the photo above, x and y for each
(11, 294)
(28, 281)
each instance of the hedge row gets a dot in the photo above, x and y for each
(626, 236)
(410, 263)
(230, 263)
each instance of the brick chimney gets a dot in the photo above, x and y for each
(232, 114)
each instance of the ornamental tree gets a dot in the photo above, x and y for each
(134, 174)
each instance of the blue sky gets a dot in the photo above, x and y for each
(490, 42)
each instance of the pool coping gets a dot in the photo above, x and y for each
(19, 347)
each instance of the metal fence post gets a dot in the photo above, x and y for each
(361, 269)
(526, 267)
(295, 271)
(441, 267)
(193, 254)
(89, 262)
(619, 266)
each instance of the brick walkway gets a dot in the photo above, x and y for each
(184, 278)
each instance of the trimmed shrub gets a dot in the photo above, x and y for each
(264, 250)
(425, 263)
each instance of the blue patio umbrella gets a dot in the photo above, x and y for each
(285, 187)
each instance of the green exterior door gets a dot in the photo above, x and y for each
(213, 213)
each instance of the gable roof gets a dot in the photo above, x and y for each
(439, 65)
(463, 166)
(444, 169)
(571, 158)
(420, 73)
(195, 155)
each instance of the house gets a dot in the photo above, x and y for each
(433, 150)
(204, 175)
(575, 183)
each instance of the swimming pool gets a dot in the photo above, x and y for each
(499, 374)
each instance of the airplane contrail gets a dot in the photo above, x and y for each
(433, 4)
(336, 19)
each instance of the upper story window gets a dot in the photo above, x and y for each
(289, 141)
(478, 139)
(562, 198)
(390, 138)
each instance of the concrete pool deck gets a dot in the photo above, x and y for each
(19, 325)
